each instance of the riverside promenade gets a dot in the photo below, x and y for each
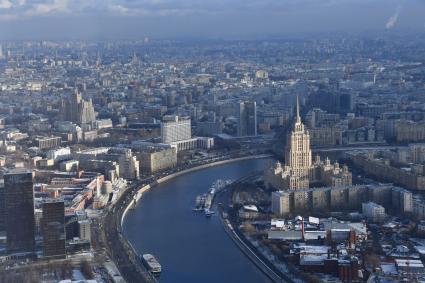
(238, 238)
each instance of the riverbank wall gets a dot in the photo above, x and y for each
(138, 194)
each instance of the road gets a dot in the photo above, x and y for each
(354, 147)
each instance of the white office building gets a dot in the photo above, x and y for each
(175, 129)
(59, 154)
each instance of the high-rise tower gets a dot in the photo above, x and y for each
(298, 154)
(247, 124)
(73, 108)
(78, 110)
(299, 170)
(19, 209)
(53, 228)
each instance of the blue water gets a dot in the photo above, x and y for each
(190, 247)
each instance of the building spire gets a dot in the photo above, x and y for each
(298, 111)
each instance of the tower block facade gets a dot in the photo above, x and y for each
(298, 155)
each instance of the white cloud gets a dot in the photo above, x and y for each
(54, 6)
(5, 4)
(118, 9)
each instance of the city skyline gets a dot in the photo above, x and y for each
(212, 141)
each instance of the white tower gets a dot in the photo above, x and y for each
(298, 154)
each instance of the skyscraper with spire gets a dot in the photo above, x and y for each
(298, 154)
(300, 171)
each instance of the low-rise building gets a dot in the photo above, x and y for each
(48, 142)
(349, 198)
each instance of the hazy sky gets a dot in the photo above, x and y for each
(50, 19)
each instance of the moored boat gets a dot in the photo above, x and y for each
(152, 263)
